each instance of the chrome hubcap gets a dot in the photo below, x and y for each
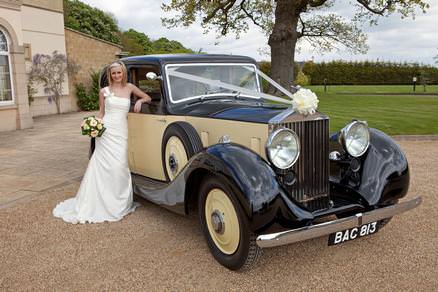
(173, 164)
(218, 222)
(176, 157)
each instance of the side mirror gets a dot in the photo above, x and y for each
(152, 76)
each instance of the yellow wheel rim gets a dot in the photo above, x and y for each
(227, 235)
(176, 157)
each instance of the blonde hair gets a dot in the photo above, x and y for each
(124, 71)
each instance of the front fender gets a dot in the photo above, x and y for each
(384, 175)
(253, 182)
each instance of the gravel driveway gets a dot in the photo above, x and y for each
(153, 249)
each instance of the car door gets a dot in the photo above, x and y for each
(146, 128)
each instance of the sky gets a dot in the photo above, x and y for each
(394, 39)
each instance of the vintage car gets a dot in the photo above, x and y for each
(257, 170)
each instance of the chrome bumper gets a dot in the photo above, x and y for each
(326, 228)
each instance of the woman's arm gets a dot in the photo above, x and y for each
(101, 104)
(143, 97)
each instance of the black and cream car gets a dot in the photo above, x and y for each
(256, 171)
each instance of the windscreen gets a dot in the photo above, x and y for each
(188, 81)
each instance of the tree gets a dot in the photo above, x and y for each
(90, 20)
(166, 46)
(137, 43)
(285, 22)
(51, 71)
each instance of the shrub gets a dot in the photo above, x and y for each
(89, 100)
(30, 91)
(302, 79)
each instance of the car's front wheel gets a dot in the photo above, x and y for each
(225, 226)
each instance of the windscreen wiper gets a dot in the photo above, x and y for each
(203, 98)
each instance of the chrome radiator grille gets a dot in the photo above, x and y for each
(312, 167)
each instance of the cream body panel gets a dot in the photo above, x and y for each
(144, 143)
(239, 132)
(146, 133)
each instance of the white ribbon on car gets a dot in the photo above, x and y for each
(218, 83)
(304, 100)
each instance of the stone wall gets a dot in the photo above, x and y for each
(91, 54)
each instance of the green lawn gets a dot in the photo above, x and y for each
(374, 89)
(395, 115)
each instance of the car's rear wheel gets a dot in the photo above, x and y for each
(225, 226)
(180, 143)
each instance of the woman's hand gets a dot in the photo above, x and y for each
(137, 106)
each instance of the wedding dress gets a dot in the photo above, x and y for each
(105, 193)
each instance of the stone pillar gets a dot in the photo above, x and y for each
(24, 118)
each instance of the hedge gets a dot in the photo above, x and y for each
(369, 72)
(363, 73)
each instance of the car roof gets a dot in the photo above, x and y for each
(188, 58)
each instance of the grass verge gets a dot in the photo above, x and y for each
(395, 115)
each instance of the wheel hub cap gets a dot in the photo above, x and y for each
(173, 164)
(175, 157)
(218, 222)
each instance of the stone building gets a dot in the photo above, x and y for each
(29, 27)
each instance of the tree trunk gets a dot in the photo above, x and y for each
(58, 103)
(282, 41)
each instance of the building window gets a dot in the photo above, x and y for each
(6, 94)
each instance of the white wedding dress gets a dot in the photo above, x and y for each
(105, 193)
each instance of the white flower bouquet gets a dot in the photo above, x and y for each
(92, 126)
(305, 101)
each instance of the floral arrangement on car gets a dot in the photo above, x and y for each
(92, 126)
(305, 101)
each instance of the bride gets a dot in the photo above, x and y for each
(105, 193)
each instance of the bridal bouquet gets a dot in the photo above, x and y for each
(92, 126)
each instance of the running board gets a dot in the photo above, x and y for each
(169, 195)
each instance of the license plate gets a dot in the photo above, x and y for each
(353, 233)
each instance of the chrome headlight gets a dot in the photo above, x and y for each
(283, 148)
(355, 138)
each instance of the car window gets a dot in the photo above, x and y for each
(151, 87)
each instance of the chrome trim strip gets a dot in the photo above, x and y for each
(281, 116)
(326, 228)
